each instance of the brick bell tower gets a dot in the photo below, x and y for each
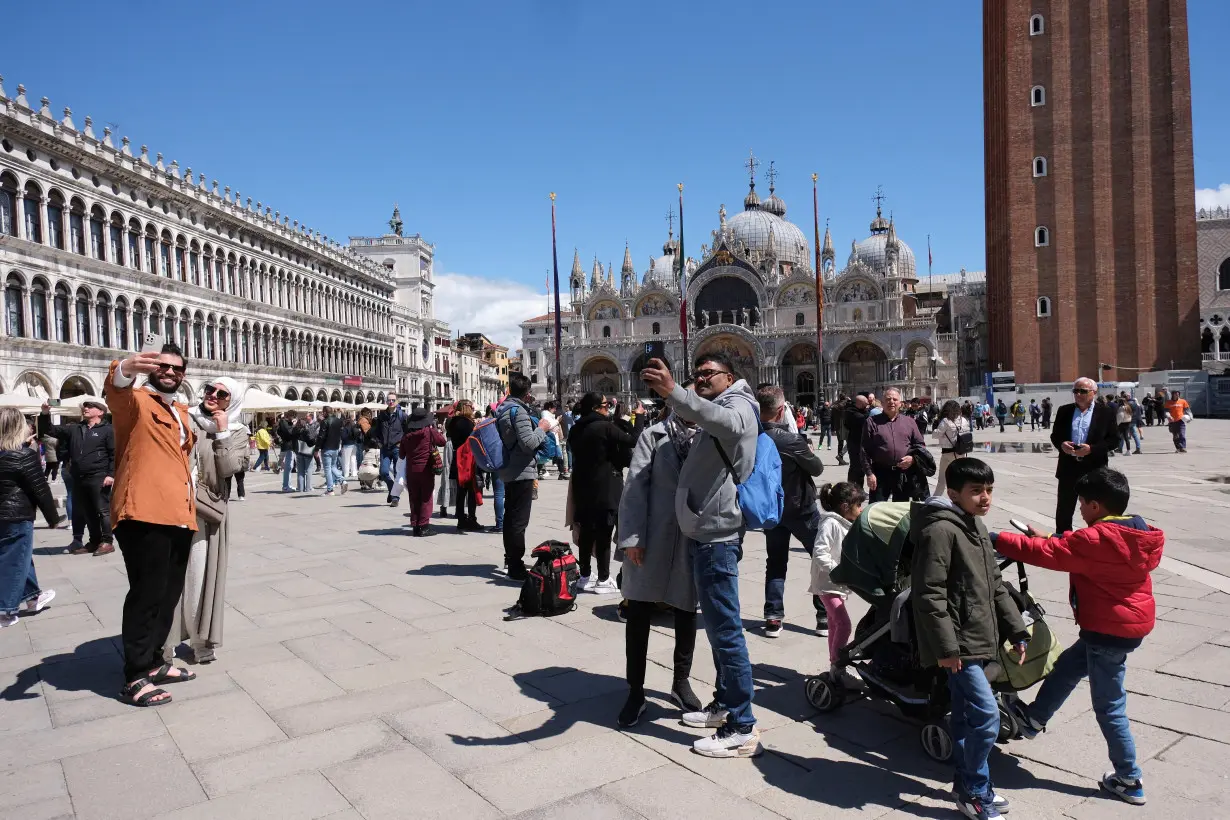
(1090, 189)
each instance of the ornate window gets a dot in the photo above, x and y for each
(1039, 166)
(657, 328)
(121, 323)
(606, 331)
(117, 240)
(34, 217)
(102, 320)
(1037, 96)
(1044, 307)
(1042, 237)
(138, 321)
(1223, 275)
(14, 307)
(60, 313)
(799, 320)
(55, 220)
(97, 247)
(76, 227)
(134, 245)
(8, 206)
(38, 309)
(83, 318)
(1036, 25)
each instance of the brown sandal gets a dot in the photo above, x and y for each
(129, 694)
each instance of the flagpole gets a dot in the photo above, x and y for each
(559, 381)
(683, 288)
(930, 283)
(815, 212)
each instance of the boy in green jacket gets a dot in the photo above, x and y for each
(960, 603)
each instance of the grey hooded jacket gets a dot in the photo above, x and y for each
(522, 437)
(706, 502)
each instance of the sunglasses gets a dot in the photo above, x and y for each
(216, 392)
(709, 374)
(1081, 391)
(177, 368)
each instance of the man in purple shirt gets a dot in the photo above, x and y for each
(887, 440)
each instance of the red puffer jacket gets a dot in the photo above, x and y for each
(1111, 592)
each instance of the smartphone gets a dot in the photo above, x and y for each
(655, 350)
(1020, 525)
(54, 402)
(153, 343)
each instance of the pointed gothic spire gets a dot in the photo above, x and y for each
(595, 276)
(826, 249)
(576, 265)
(892, 230)
(627, 268)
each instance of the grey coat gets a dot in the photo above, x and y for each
(647, 520)
(706, 501)
(522, 437)
(216, 460)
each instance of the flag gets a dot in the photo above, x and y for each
(928, 250)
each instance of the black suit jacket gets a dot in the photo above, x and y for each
(1102, 438)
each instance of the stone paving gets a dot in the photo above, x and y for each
(367, 674)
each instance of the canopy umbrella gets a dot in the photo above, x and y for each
(24, 403)
(258, 401)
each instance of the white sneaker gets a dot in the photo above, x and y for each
(606, 587)
(40, 603)
(586, 583)
(712, 716)
(729, 743)
(7, 620)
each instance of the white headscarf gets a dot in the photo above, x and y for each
(206, 421)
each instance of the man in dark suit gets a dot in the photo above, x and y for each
(1085, 433)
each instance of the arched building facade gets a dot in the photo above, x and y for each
(100, 247)
(752, 296)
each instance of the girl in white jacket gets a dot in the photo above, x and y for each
(841, 504)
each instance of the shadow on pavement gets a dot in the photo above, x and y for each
(387, 531)
(94, 666)
(458, 571)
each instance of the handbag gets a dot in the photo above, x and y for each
(210, 508)
(436, 461)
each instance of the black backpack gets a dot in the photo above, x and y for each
(551, 588)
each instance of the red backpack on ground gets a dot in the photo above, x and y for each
(551, 588)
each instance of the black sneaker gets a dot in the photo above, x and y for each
(426, 531)
(630, 715)
(517, 572)
(683, 696)
(394, 500)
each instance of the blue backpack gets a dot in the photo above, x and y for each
(487, 446)
(761, 497)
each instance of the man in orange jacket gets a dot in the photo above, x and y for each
(153, 505)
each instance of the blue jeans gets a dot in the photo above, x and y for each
(1126, 438)
(975, 726)
(1105, 667)
(288, 461)
(715, 568)
(303, 472)
(777, 546)
(261, 458)
(17, 579)
(826, 436)
(330, 459)
(388, 466)
(498, 489)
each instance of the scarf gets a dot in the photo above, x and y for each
(205, 420)
(681, 435)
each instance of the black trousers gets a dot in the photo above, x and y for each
(855, 474)
(1065, 503)
(155, 557)
(91, 508)
(594, 542)
(50, 471)
(238, 482)
(466, 500)
(636, 643)
(518, 499)
(841, 444)
(889, 485)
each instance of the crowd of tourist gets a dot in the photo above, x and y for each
(657, 488)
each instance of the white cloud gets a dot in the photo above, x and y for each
(496, 307)
(1218, 197)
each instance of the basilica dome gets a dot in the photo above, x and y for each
(753, 225)
(871, 251)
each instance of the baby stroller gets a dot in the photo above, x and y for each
(875, 563)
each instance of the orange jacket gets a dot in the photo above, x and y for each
(152, 473)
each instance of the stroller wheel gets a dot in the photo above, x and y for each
(936, 740)
(823, 694)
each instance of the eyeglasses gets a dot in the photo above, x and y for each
(178, 368)
(709, 374)
(217, 392)
(1081, 391)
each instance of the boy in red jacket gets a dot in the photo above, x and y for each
(1112, 599)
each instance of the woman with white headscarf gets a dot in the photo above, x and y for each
(221, 452)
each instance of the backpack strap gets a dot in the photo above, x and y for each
(722, 451)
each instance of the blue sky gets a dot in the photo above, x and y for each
(468, 114)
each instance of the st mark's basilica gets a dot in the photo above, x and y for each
(752, 296)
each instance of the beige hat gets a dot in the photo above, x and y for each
(97, 401)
